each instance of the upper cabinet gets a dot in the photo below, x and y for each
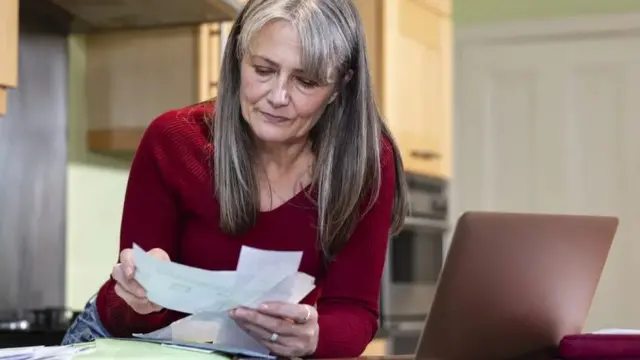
(111, 19)
(8, 49)
(135, 75)
(106, 15)
(410, 44)
(145, 57)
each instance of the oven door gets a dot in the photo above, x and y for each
(413, 265)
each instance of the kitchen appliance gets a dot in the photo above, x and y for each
(45, 326)
(414, 261)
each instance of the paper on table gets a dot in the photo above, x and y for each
(618, 332)
(272, 276)
(132, 349)
(19, 353)
(46, 352)
(210, 348)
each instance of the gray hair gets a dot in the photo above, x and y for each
(346, 140)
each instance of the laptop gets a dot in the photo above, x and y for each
(514, 284)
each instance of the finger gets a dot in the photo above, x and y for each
(282, 350)
(139, 305)
(303, 333)
(300, 313)
(283, 346)
(130, 285)
(257, 332)
(268, 322)
(152, 307)
(159, 254)
(126, 259)
(286, 346)
(118, 273)
(128, 297)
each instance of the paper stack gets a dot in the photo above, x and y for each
(261, 275)
(106, 349)
(48, 352)
(124, 349)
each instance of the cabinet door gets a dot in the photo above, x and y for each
(132, 76)
(8, 49)
(377, 347)
(209, 60)
(371, 14)
(416, 80)
(3, 100)
(8, 43)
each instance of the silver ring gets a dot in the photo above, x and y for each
(274, 337)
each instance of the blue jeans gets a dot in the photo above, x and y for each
(86, 327)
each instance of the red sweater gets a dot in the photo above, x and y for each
(169, 205)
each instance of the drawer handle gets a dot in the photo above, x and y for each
(425, 154)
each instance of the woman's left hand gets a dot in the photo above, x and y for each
(285, 329)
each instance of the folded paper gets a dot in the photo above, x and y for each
(261, 275)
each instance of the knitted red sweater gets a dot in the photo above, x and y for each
(169, 204)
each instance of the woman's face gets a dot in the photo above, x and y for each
(279, 101)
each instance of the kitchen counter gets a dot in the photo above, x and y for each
(394, 357)
(9, 338)
(106, 349)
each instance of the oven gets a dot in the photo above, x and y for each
(414, 261)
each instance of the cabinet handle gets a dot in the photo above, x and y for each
(425, 154)
(426, 223)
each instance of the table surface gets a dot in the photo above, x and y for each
(393, 357)
(104, 349)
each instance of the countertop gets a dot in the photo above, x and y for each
(30, 338)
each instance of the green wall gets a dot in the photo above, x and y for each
(472, 12)
(95, 192)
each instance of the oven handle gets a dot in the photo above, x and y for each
(422, 222)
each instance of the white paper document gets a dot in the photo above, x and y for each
(19, 353)
(66, 352)
(261, 275)
(191, 290)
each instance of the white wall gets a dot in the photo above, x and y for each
(547, 121)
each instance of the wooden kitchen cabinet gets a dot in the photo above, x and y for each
(377, 347)
(133, 76)
(3, 100)
(8, 49)
(410, 44)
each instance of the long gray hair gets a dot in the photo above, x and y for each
(346, 140)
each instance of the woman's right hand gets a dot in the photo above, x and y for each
(128, 288)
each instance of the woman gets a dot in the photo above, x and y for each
(295, 157)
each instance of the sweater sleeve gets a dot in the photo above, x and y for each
(150, 220)
(348, 308)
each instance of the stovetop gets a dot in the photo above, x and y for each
(46, 319)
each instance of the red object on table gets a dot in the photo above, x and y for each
(600, 347)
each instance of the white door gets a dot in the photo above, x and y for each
(552, 125)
